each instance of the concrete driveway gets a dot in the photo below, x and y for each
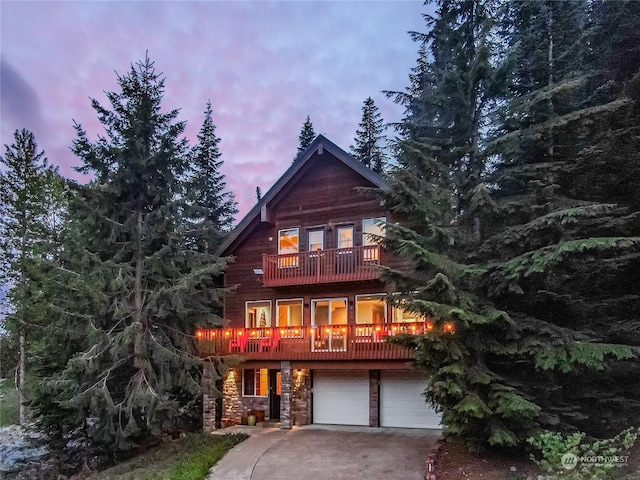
(317, 452)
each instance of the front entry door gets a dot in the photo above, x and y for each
(275, 389)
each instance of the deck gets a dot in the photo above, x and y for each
(330, 342)
(321, 266)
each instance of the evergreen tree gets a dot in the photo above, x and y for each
(368, 149)
(135, 291)
(307, 135)
(504, 255)
(25, 179)
(210, 209)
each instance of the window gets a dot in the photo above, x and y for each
(316, 240)
(345, 237)
(329, 312)
(288, 245)
(255, 382)
(258, 314)
(371, 308)
(289, 313)
(400, 315)
(372, 230)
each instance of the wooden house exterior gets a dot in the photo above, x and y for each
(309, 316)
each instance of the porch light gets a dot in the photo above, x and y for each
(283, 331)
(327, 330)
(344, 330)
(240, 332)
(296, 331)
(227, 333)
(449, 327)
(378, 329)
(199, 333)
(429, 327)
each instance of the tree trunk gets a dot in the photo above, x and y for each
(138, 347)
(550, 146)
(22, 368)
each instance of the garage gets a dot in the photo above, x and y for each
(341, 397)
(402, 403)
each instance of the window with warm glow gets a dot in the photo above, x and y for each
(373, 229)
(255, 382)
(258, 314)
(289, 313)
(345, 237)
(288, 243)
(371, 308)
(400, 315)
(329, 312)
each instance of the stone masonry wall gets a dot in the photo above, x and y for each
(286, 422)
(208, 399)
(301, 396)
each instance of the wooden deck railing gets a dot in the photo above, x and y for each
(321, 266)
(329, 342)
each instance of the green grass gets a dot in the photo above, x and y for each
(9, 404)
(188, 458)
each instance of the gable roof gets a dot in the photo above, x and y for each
(320, 143)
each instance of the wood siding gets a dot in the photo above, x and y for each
(323, 196)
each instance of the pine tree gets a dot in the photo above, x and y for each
(135, 290)
(307, 135)
(210, 209)
(25, 181)
(369, 138)
(500, 252)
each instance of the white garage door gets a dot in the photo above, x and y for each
(402, 403)
(341, 397)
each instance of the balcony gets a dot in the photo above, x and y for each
(321, 266)
(330, 342)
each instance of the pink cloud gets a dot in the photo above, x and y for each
(265, 66)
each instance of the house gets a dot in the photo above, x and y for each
(310, 315)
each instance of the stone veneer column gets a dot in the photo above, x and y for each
(285, 398)
(208, 399)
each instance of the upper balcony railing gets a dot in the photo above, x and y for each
(321, 266)
(327, 342)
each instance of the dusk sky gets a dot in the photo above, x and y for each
(265, 66)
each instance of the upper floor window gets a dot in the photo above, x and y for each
(258, 314)
(345, 237)
(288, 244)
(371, 308)
(372, 230)
(329, 312)
(289, 313)
(400, 315)
(316, 240)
